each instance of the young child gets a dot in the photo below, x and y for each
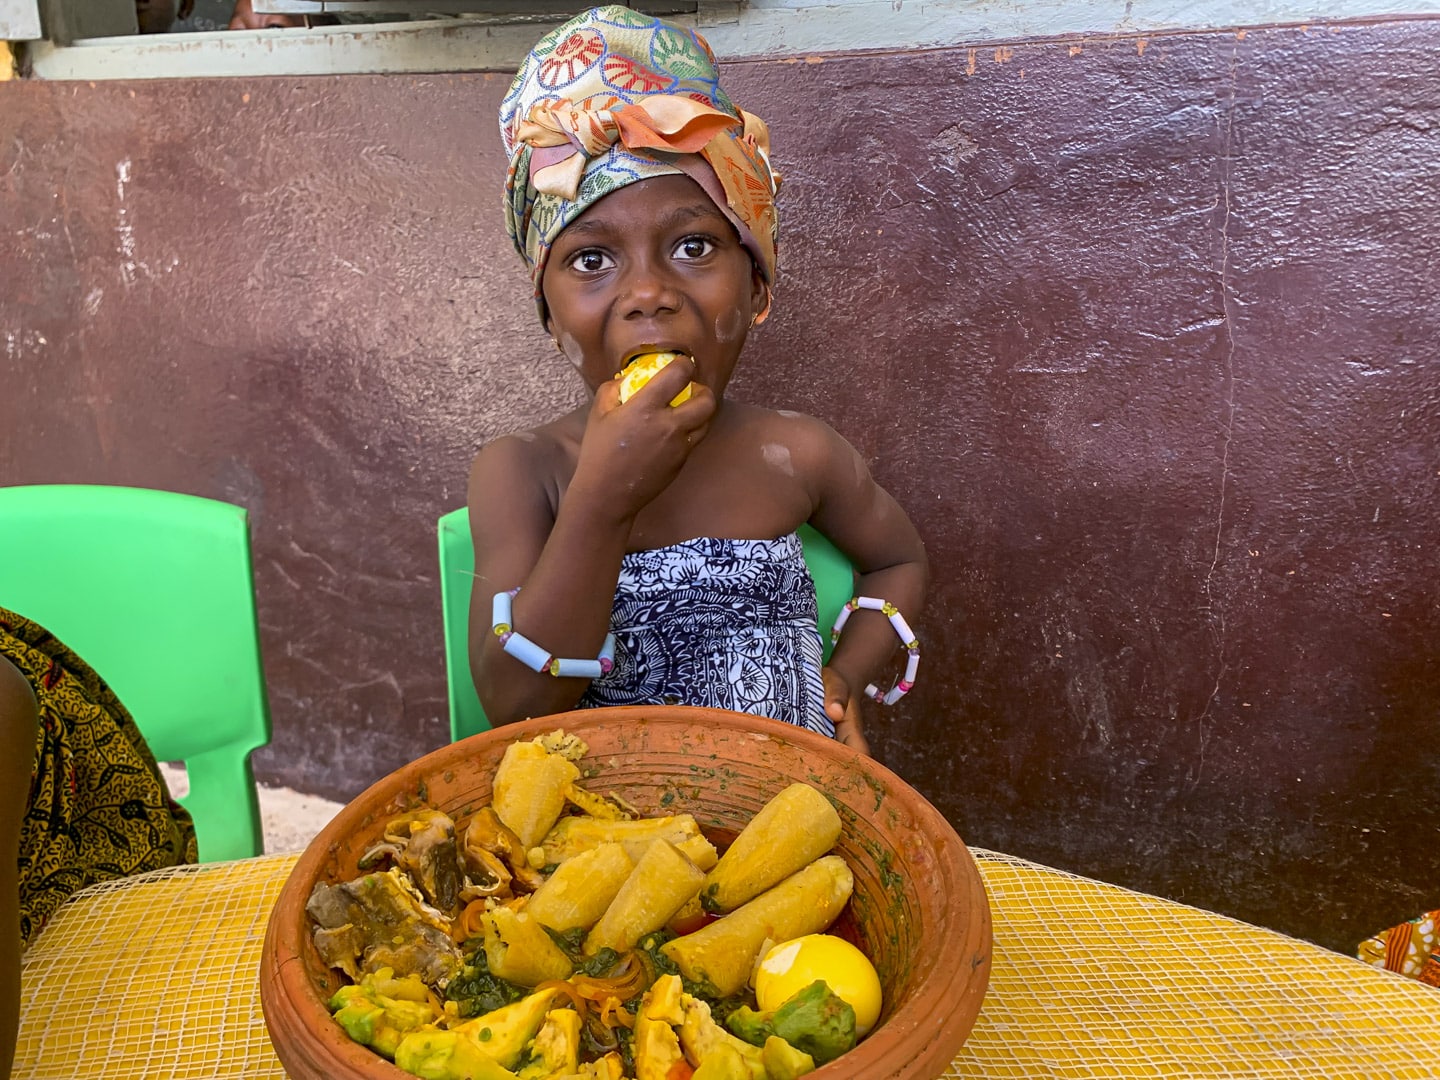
(653, 543)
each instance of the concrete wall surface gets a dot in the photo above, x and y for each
(1142, 333)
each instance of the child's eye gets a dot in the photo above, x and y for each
(591, 261)
(694, 247)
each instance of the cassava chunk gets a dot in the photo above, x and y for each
(700, 851)
(518, 950)
(580, 889)
(572, 835)
(662, 881)
(791, 831)
(724, 952)
(529, 791)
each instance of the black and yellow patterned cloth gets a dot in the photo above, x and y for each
(98, 808)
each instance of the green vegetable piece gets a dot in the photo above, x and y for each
(783, 1062)
(556, 1049)
(448, 1055)
(723, 1062)
(510, 1028)
(374, 1018)
(814, 1021)
(704, 1039)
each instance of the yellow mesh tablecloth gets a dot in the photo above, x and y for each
(158, 977)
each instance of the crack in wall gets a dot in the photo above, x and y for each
(1217, 617)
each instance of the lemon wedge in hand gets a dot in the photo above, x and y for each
(793, 965)
(644, 368)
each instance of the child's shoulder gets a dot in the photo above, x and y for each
(785, 421)
(532, 453)
(799, 432)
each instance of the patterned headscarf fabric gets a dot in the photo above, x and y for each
(613, 97)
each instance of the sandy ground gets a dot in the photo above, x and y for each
(290, 818)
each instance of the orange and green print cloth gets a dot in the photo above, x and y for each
(613, 97)
(1411, 948)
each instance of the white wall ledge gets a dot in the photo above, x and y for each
(758, 29)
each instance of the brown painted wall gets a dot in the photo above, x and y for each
(1143, 334)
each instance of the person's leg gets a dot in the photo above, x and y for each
(18, 717)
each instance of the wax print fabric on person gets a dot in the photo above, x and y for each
(1411, 948)
(728, 624)
(613, 97)
(98, 808)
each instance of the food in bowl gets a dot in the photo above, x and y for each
(558, 934)
(918, 908)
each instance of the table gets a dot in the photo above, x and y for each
(155, 976)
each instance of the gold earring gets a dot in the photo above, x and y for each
(558, 347)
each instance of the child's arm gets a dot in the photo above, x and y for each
(869, 526)
(566, 561)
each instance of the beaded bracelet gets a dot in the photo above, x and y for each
(536, 658)
(902, 630)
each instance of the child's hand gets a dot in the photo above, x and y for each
(844, 711)
(635, 450)
(847, 730)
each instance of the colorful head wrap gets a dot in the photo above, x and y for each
(613, 97)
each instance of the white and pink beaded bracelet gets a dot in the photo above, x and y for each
(902, 630)
(536, 658)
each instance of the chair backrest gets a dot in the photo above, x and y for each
(834, 584)
(154, 590)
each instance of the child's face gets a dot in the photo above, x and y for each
(654, 266)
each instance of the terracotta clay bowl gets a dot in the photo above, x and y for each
(918, 910)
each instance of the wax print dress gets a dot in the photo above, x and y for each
(723, 623)
(98, 808)
(1411, 948)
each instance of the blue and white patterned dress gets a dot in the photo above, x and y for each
(723, 623)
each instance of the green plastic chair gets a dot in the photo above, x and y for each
(154, 589)
(834, 584)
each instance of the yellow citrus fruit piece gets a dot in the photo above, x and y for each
(644, 368)
(793, 965)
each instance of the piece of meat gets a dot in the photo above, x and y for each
(382, 915)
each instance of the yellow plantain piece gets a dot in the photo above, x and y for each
(518, 950)
(529, 790)
(791, 831)
(580, 889)
(724, 952)
(572, 835)
(662, 881)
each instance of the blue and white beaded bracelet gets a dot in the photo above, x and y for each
(536, 658)
(902, 630)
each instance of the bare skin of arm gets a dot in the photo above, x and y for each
(18, 718)
(869, 526)
(563, 539)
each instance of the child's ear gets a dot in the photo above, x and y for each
(759, 295)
